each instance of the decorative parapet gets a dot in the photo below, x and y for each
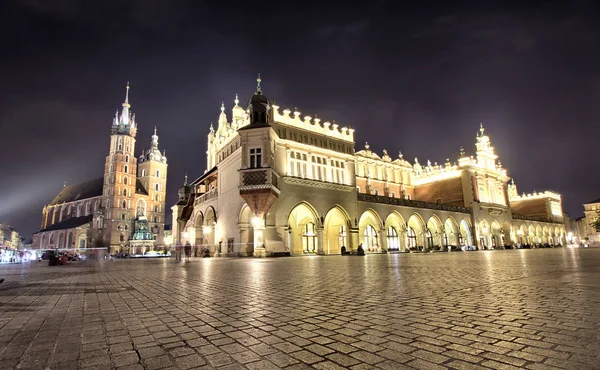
(536, 195)
(410, 203)
(211, 194)
(314, 125)
(534, 218)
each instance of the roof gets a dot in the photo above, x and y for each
(593, 201)
(83, 190)
(69, 223)
(204, 175)
(139, 188)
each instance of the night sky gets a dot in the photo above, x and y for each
(415, 79)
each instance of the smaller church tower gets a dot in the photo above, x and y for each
(120, 178)
(152, 173)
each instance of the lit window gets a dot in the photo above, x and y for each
(370, 238)
(255, 157)
(309, 238)
(411, 238)
(342, 236)
(392, 239)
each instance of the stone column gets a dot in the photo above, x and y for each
(290, 240)
(383, 247)
(353, 239)
(259, 242)
(320, 241)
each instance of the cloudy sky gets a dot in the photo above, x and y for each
(413, 78)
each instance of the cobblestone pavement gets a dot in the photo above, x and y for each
(534, 309)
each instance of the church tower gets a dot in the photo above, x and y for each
(152, 173)
(120, 178)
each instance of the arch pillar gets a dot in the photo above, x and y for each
(383, 247)
(258, 224)
(320, 241)
(353, 240)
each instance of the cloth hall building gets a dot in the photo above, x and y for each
(279, 183)
(123, 210)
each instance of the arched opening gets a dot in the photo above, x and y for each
(414, 233)
(433, 233)
(395, 228)
(198, 240)
(507, 234)
(246, 231)
(124, 204)
(42, 241)
(545, 235)
(53, 240)
(538, 234)
(393, 241)
(496, 235)
(126, 169)
(82, 243)
(143, 172)
(335, 231)
(157, 173)
(208, 230)
(61, 240)
(300, 232)
(484, 235)
(465, 239)
(369, 225)
(125, 180)
(451, 233)
(70, 243)
(309, 238)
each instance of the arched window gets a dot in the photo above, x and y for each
(127, 158)
(309, 238)
(392, 239)
(157, 187)
(124, 204)
(154, 219)
(122, 237)
(125, 169)
(122, 216)
(125, 192)
(143, 172)
(79, 211)
(429, 239)
(87, 208)
(370, 238)
(461, 241)
(342, 236)
(125, 180)
(411, 238)
(157, 173)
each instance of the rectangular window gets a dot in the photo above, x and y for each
(255, 157)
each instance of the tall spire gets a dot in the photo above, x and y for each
(126, 102)
(236, 101)
(154, 144)
(258, 89)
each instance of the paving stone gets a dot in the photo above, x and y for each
(516, 309)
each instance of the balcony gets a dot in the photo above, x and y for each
(410, 203)
(211, 194)
(260, 179)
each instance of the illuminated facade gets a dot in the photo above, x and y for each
(279, 183)
(589, 226)
(123, 210)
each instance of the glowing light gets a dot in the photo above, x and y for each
(206, 229)
(185, 234)
(256, 221)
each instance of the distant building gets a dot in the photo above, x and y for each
(123, 210)
(590, 234)
(9, 237)
(277, 182)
